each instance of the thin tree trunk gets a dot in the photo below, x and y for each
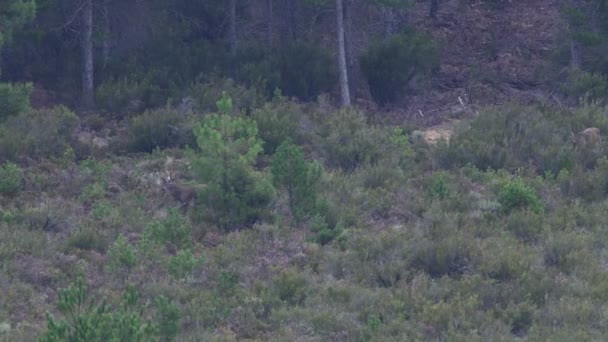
(105, 42)
(270, 22)
(575, 54)
(390, 21)
(88, 100)
(232, 32)
(342, 55)
(351, 62)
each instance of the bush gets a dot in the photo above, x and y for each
(299, 178)
(88, 239)
(205, 95)
(391, 65)
(44, 133)
(11, 178)
(182, 264)
(349, 142)
(121, 254)
(86, 320)
(173, 229)
(161, 128)
(14, 99)
(290, 287)
(512, 137)
(228, 147)
(585, 86)
(277, 121)
(517, 194)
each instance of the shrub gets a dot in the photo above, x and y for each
(586, 86)
(299, 178)
(172, 229)
(182, 264)
(87, 239)
(512, 137)
(349, 142)
(277, 121)
(14, 99)
(205, 95)
(235, 193)
(129, 94)
(517, 194)
(44, 133)
(11, 178)
(86, 320)
(290, 287)
(324, 232)
(121, 254)
(161, 128)
(391, 65)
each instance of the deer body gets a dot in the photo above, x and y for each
(587, 138)
(184, 194)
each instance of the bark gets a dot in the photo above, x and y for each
(88, 99)
(351, 61)
(390, 21)
(270, 22)
(105, 42)
(342, 55)
(232, 29)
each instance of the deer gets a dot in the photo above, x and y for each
(586, 138)
(184, 194)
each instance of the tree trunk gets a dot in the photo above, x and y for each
(351, 61)
(88, 99)
(232, 29)
(270, 22)
(390, 21)
(105, 42)
(575, 54)
(342, 55)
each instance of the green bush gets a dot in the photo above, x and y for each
(11, 178)
(298, 177)
(160, 128)
(291, 287)
(43, 133)
(131, 94)
(121, 254)
(517, 194)
(512, 137)
(87, 320)
(236, 194)
(173, 229)
(277, 121)
(88, 239)
(391, 65)
(348, 142)
(586, 86)
(205, 95)
(14, 99)
(182, 264)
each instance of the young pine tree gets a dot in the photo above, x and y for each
(236, 194)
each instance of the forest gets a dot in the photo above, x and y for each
(303, 170)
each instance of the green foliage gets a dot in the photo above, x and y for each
(39, 133)
(235, 194)
(11, 178)
(173, 229)
(324, 233)
(586, 86)
(14, 99)
(88, 239)
(183, 263)
(391, 65)
(126, 95)
(13, 15)
(205, 95)
(121, 254)
(86, 320)
(277, 120)
(516, 194)
(157, 129)
(290, 287)
(298, 177)
(349, 142)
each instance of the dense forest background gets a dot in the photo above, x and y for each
(303, 170)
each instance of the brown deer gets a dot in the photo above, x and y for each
(184, 194)
(586, 138)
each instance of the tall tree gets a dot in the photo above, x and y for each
(344, 87)
(232, 28)
(88, 91)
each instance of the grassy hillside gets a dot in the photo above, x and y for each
(499, 234)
